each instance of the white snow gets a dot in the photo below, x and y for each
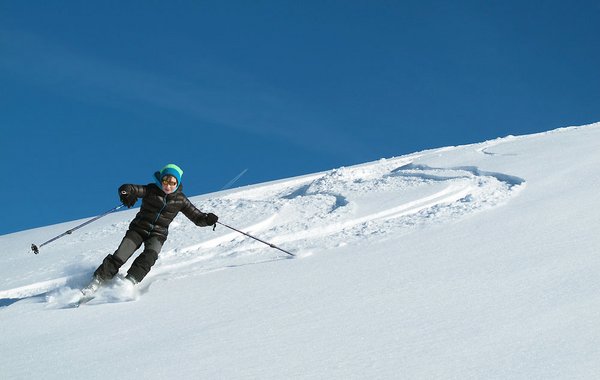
(477, 261)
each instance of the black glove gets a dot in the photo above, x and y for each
(126, 195)
(211, 219)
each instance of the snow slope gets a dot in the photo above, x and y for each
(477, 261)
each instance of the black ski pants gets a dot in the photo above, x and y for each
(141, 265)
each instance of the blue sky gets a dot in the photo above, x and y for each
(96, 94)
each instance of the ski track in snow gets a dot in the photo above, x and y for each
(306, 214)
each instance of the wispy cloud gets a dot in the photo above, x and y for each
(218, 95)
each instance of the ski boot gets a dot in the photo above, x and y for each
(131, 279)
(91, 288)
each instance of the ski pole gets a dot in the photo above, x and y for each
(255, 238)
(36, 249)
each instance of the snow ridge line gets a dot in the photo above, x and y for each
(34, 289)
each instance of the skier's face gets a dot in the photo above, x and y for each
(169, 184)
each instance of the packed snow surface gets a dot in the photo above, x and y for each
(477, 261)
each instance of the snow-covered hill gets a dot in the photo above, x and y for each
(477, 261)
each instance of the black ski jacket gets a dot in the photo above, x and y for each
(159, 209)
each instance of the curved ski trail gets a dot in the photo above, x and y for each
(311, 213)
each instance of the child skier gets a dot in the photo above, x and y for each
(161, 202)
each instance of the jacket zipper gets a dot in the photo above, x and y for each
(158, 216)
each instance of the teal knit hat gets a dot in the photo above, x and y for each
(172, 169)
